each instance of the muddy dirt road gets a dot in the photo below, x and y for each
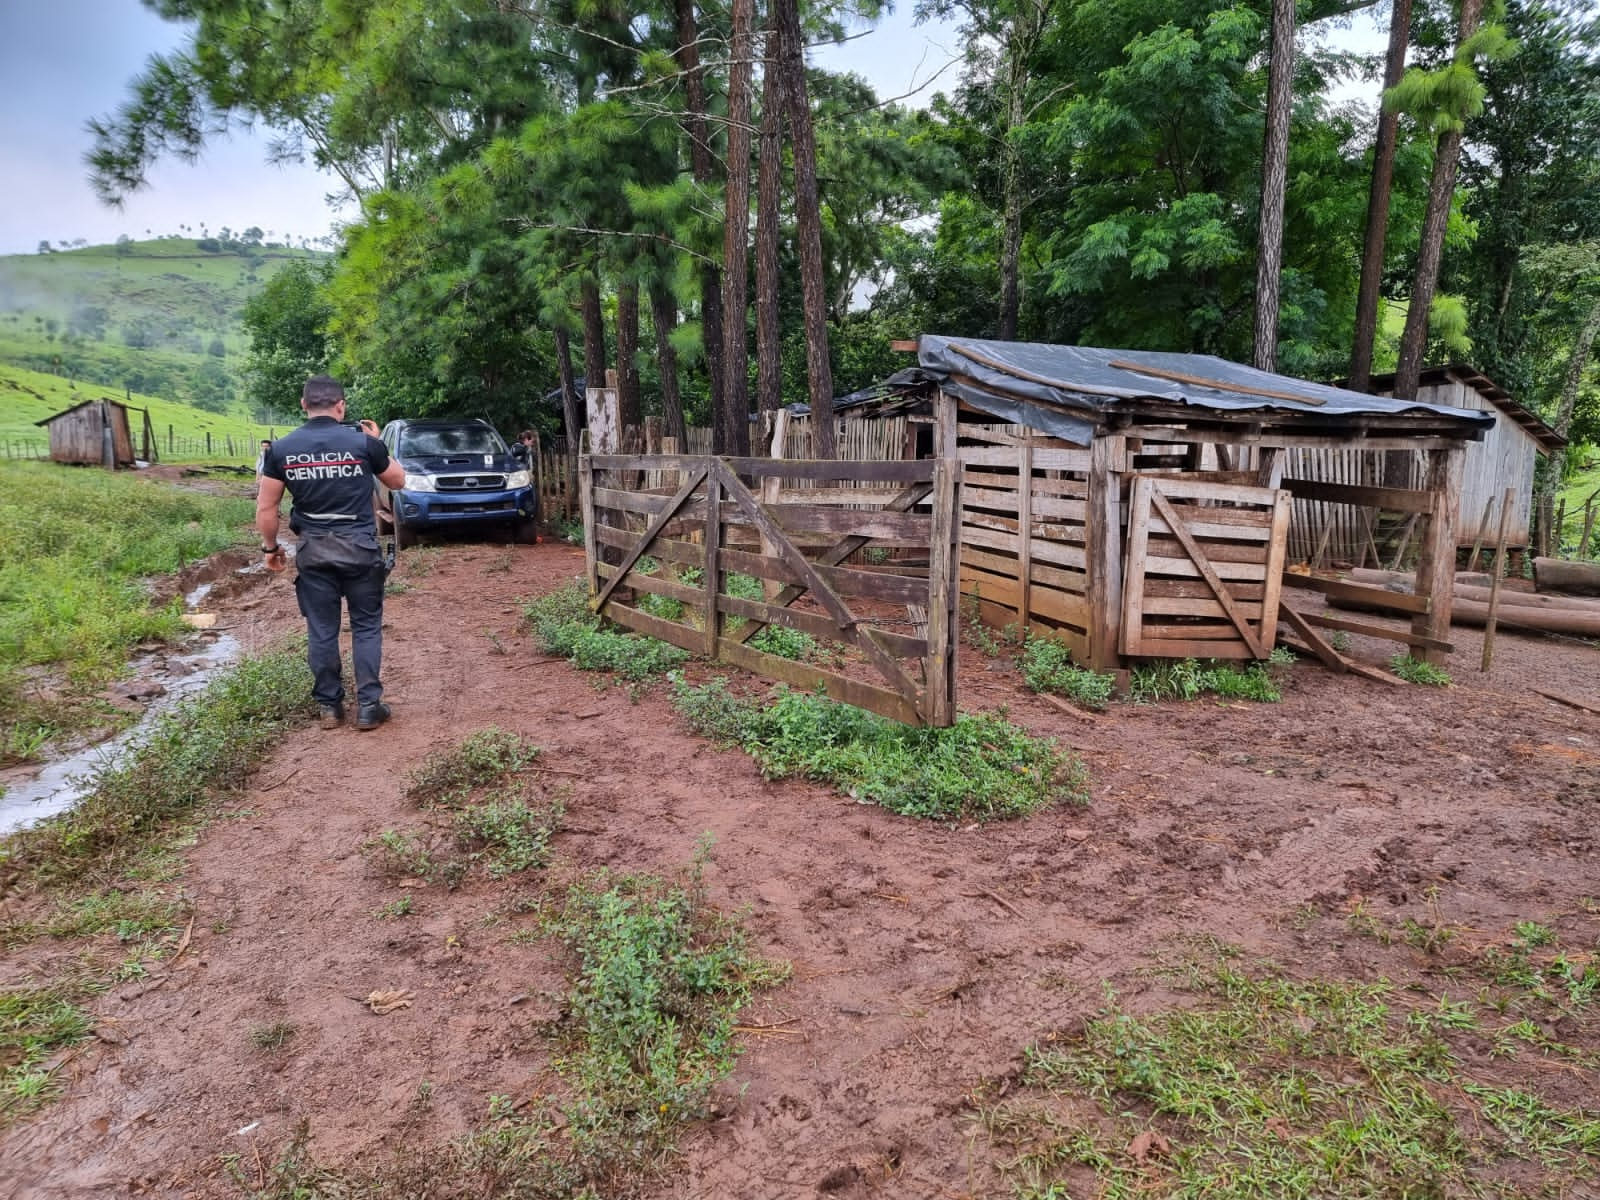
(925, 957)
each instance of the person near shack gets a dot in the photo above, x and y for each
(261, 457)
(328, 470)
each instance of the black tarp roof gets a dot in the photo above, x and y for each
(1067, 391)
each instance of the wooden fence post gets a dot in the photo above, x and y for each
(1103, 549)
(712, 569)
(1436, 549)
(1025, 532)
(944, 588)
(1494, 584)
(591, 558)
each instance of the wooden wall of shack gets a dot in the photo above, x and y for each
(77, 435)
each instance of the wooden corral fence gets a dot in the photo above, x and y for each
(888, 630)
(1039, 580)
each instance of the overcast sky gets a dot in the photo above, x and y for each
(65, 61)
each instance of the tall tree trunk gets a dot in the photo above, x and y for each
(769, 217)
(1366, 333)
(1274, 182)
(628, 407)
(594, 336)
(733, 430)
(664, 316)
(1011, 213)
(1441, 191)
(808, 226)
(570, 419)
(704, 170)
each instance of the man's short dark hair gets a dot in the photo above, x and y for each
(322, 391)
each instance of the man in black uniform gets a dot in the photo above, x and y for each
(328, 469)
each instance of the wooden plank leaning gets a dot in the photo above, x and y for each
(1252, 638)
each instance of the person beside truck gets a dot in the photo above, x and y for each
(328, 469)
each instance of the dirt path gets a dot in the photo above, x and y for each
(925, 957)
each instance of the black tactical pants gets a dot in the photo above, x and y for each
(322, 591)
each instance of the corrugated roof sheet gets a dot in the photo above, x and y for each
(1067, 391)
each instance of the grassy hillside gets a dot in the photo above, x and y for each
(29, 396)
(161, 317)
(1581, 488)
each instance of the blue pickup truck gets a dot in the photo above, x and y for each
(460, 474)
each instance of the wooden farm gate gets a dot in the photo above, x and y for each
(721, 551)
(1204, 568)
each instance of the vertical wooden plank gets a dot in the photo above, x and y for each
(1494, 587)
(944, 564)
(591, 555)
(713, 559)
(780, 432)
(1025, 530)
(605, 420)
(1103, 551)
(768, 495)
(1277, 555)
(944, 426)
(1131, 616)
(1436, 554)
(1269, 472)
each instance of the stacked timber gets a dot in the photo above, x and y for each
(1517, 610)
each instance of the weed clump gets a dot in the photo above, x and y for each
(981, 768)
(1414, 670)
(1188, 678)
(501, 821)
(567, 628)
(447, 779)
(1047, 666)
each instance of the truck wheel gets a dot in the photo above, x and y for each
(404, 536)
(525, 531)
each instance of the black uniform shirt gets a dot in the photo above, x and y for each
(328, 468)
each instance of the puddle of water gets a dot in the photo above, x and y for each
(192, 600)
(63, 783)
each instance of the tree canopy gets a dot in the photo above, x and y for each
(541, 171)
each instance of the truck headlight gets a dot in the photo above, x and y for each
(419, 483)
(519, 479)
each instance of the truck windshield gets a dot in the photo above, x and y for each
(465, 439)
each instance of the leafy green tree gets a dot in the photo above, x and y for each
(287, 321)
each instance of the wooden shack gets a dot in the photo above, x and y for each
(1136, 504)
(1505, 458)
(94, 433)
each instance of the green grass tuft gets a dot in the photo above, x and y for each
(1414, 670)
(1047, 667)
(446, 779)
(1266, 1085)
(1187, 679)
(980, 768)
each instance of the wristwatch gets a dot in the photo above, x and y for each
(271, 549)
